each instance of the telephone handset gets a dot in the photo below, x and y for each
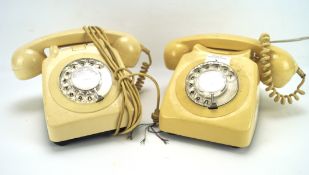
(27, 60)
(87, 87)
(213, 92)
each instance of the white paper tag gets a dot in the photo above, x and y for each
(219, 58)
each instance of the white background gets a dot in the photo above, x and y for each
(280, 144)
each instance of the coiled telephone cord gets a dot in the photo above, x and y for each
(144, 69)
(130, 91)
(265, 60)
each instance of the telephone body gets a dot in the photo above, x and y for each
(92, 102)
(213, 94)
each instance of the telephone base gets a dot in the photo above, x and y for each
(67, 119)
(235, 129)
(236, 138)
(177, 135)
(230, 124)
(89, 137)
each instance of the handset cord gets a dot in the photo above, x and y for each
(144, 69)
(265, 59)
(125, 78)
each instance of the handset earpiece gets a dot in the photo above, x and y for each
(173, 52)
(128, 48)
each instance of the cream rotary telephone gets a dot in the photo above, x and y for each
(87, 87)
(213, 93)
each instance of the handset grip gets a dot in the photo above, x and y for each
(27, 60)
(283, 65)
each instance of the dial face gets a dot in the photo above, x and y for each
(85, 80)
(211, 84)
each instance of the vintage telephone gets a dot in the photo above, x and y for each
(87, 87)
(213, 93)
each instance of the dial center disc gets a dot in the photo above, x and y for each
(211, 81)
(85, 78)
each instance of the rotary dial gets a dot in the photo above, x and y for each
(211, 84)
(85, 80)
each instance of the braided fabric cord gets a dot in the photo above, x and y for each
(131, 99)
(265, 58)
